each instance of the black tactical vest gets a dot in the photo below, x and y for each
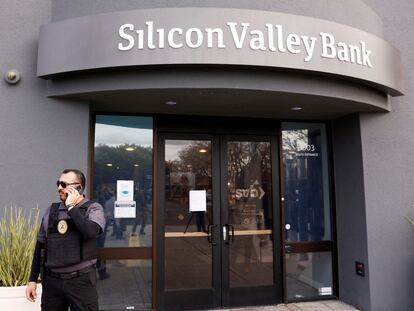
(70, 248)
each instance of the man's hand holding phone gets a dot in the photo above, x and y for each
(73, 196)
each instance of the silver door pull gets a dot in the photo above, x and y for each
(224, 233)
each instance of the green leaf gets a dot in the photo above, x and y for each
(18, 231)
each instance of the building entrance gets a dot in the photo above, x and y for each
(222, 219)
(218, 221)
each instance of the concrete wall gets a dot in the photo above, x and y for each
(350, 211)
(351, 12)
(388, 149)
(39, 136)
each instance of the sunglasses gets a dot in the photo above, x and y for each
(65, 184)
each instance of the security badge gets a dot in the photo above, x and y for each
(62, 226)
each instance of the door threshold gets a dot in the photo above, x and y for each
(319, 305)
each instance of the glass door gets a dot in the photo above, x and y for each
(252, 271)
(217, 221)
(188, 227)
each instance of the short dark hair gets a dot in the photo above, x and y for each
(79, 175)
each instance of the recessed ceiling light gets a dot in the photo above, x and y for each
(202, 150)
(296, 108)
(109, 164)
(136, 165)
(171, 103)
(129, 148)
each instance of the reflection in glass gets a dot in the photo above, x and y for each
(128, 287)
(306, 197)
(250, 213)
(309, 275)
(123, 151)
(188, 254)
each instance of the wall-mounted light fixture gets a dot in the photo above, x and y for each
(12, 76)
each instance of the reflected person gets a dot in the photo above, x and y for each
(141, 212)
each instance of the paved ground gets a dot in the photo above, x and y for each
(327, 305)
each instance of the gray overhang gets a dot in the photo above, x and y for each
(80, 57)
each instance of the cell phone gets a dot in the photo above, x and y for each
(79, 189)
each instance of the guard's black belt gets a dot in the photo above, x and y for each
(68, 275)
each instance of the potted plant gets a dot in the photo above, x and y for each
(18, 230)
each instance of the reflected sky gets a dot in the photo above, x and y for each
(112, 135)
(174, 147)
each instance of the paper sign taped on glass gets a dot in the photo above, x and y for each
(125, 190)
(124, 209)
(198, 201)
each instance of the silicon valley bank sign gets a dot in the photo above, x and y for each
(220, 37)
(242, 36)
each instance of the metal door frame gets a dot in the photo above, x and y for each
(220, 295)
(181, 299)
(234, 297)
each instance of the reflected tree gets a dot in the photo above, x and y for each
(122, 162)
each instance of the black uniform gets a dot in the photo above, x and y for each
(67, 239)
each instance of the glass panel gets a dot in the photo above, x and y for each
(250, 213)
(309, 275)
(305, 165)
(188, 254)
(128, 288)
(123, 151)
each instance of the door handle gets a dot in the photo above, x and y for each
(288, 248)
(228, 234)
(210, 234)
(232, 233)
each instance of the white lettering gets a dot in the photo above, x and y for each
(254, 193)
(343, 54)
(309, 47)
(150, 34)
(258, 42)
(239, 193)
(198, 35)
(140, 36)
(270, 37)
(355, 54)
(365, 55)
(220, 39)
(161, 38)
(328, 49)
(150, 37)
(280, 46)
(291, 41)
(171, 41)
(238, 41)
(127, 37)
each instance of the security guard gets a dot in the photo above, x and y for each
(66, 249)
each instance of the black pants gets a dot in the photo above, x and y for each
(77, 293)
